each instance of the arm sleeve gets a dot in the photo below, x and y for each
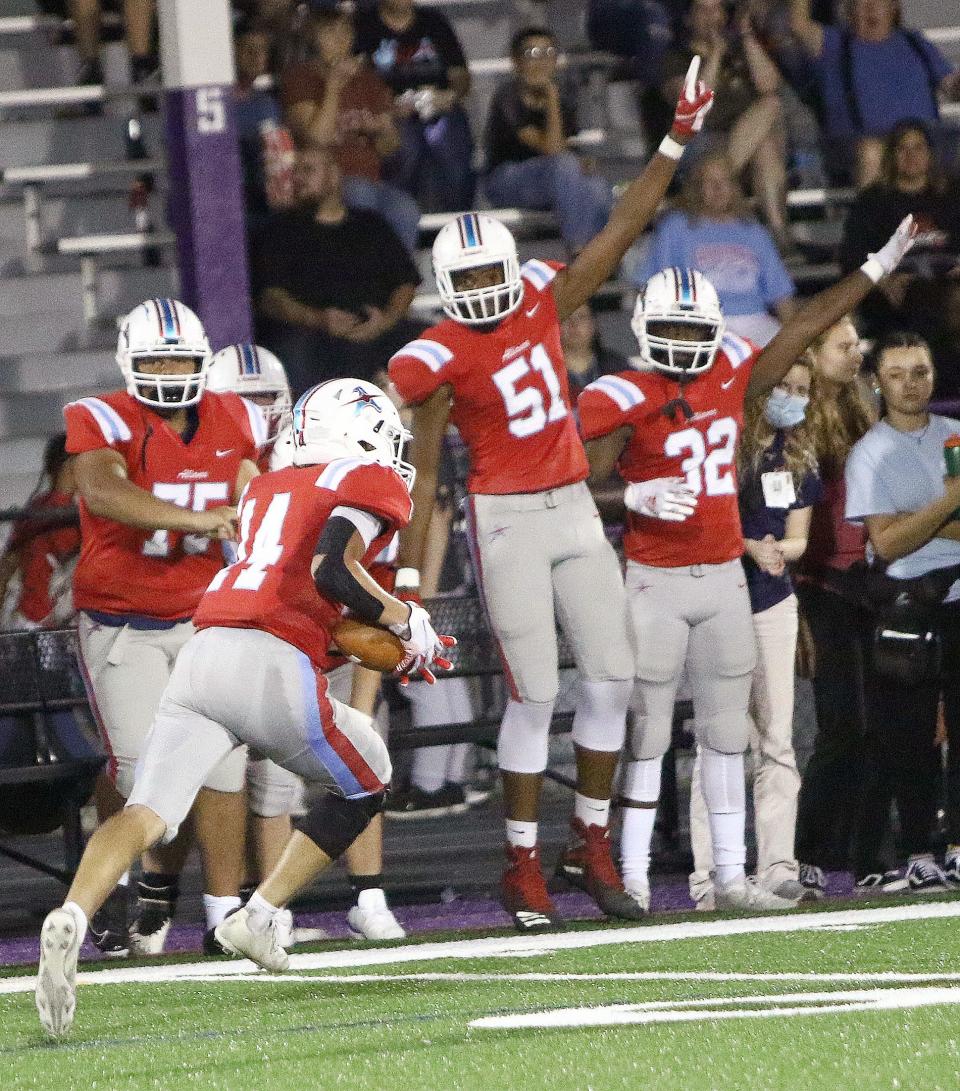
(369, 526)
(607, 404)
(420, 368)
(866, 492)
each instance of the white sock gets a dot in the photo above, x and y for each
(724, 792)
(373, 899)
(591, 812)
(217, 908)
(457, 758)
(521, 834)
(428, 771)
(635, 838)
(260, 913)
(80, 915)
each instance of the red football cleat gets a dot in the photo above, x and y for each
(587, 863)
(524, 893)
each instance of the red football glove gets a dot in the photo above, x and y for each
(694, 104)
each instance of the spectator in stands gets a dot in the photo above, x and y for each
(896, 487)
(748, 122)
(529, 162)
(43, 553)
(138, 19)
(584, 353)
(831, 601)
(418, 54)
(713, 230)
(778, 483)
(332, 285)
(259, 122)
(872, 73)
(924, 294)
(641, 32)
(336, 100)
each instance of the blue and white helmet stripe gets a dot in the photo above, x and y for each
(249, 359)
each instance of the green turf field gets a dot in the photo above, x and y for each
(858, 999)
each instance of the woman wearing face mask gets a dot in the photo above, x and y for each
(779, 481)
(830, 597)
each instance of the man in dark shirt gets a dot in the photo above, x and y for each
(417, 53)
(332, 285)
(528, 162)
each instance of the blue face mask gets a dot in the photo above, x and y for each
(785, 410)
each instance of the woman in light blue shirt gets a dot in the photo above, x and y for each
(714, 231)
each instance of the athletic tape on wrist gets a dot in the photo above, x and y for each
(873, 269)
(671, 148)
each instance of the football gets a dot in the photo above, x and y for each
(369, 645)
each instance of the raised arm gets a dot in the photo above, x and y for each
(825, 309)
(576, 284)
(807, 31)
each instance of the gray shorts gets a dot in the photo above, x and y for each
(543, 557)
(232, 687)
(125, 672)
(696, 617)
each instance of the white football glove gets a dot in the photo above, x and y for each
(889, 256)
(667, 498)
(424, 647)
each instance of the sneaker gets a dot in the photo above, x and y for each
(812, 878)
(56, 991)
(795, 891)
(374, 919)
(881, 882)
(951, 866)
(745, 894)
(108, 926)
(924, 876)
(148, 933)
(234, 934)
(415, 803)
(587, 863)
(524, 893)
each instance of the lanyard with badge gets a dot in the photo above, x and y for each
(778, 489)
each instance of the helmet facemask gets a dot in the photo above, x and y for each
(477, 306)
(166, 391)
(677, 356)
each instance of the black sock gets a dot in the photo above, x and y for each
(365, 882)
(159, 892)
(245, 891)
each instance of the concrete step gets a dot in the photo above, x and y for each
(930, 13)
(92, 215)
(55, 333)
(30, 61)
(60, 140)
(20, 458)
(67, 371)
(38, 412)
(118, 290)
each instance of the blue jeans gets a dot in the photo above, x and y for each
(581, 202)
(434, 162)
(399, 209)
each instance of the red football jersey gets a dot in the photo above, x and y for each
(270, 585)
(157, 574)
(701, 448)
(511, 401)
(40, 549)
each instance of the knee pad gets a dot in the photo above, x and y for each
(726, 730)
(272, 790)
(600, 719)
(524, 739)
(649, 733)
(334, 822)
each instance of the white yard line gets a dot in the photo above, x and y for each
(512, 946)
(769, 1006)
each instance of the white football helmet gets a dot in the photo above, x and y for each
(282, 454)
(254, 373)
(349, 418)
(469, 242)
(158, 328)
(678, 297)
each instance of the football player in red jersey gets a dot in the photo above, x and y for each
(159, 467)
(253, 674)
(495, 369)
(672, 431)
(257, 375)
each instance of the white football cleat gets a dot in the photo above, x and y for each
(56, 992)
(745, 894)
(263, 948)
(149, 943)
(372, 918)
(283, 922)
